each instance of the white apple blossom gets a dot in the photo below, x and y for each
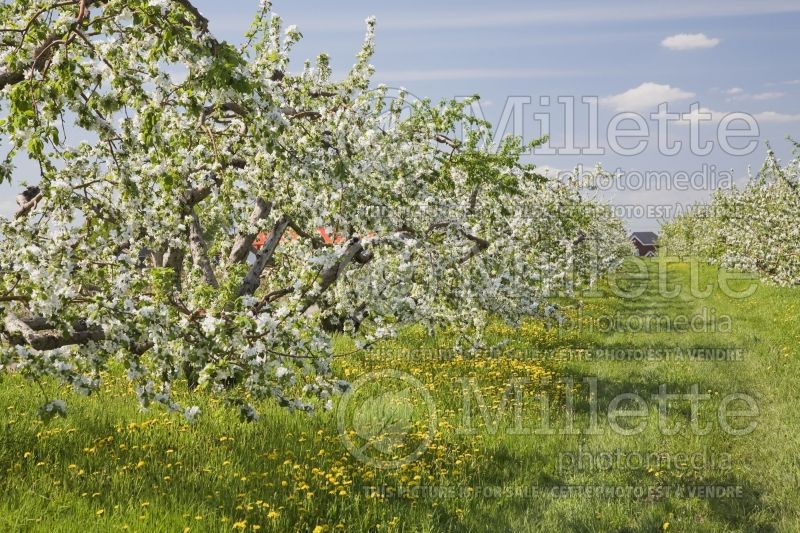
(182, 240)
(756, 228)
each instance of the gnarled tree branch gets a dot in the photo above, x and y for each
(252, 279)
(200, 21)
(200, 252)
(245, 236)
(480, 246)
(27, 200)
(355, 251)
(37, 334)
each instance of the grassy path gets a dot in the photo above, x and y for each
(723, 345)
(515, 447)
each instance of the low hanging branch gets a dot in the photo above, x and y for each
(38, 335)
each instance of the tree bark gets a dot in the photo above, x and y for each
(41, 55)
(34, 333)
(480, 246)
(173, 259)
(252, 280)
(245, 237)
(200, 251)
(25, 207)
(354, 252)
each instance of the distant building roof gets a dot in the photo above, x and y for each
(647, 238)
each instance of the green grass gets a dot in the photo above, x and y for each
(110, 467)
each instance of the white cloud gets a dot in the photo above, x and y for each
(772, 116)
(646, 96)
(769, 95)
(735, 90)
(689, 41)
(701, 114)
(786, 82)
(706, 115)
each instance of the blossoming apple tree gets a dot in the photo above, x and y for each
(754, 228)
(163, 153)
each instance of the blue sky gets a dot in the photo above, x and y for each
(745, 61)
(736, 56)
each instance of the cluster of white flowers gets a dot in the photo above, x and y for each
(140, 246)
(756, 228)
